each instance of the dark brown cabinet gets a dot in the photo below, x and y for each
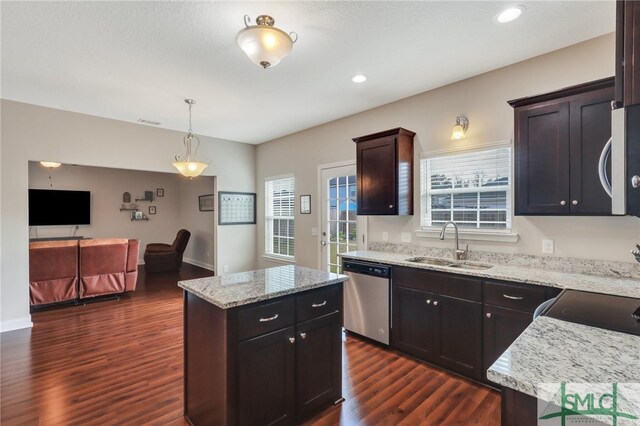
(275, 362)
(441, 326)
(385, 173)
(627, 53)
(508, 309)
(559, 137)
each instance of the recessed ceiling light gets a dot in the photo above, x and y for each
(510, 14)
(359, 78)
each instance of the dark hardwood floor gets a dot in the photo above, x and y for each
(119, 362)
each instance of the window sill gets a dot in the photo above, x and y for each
(279, 259)
(469, 235)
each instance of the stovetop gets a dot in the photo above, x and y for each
(615, 313)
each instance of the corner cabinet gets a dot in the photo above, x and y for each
(385, 172)
(559, 137)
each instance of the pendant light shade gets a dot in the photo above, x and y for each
(263, 43)
(188, 165)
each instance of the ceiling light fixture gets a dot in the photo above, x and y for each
(50, 164)
(510, 14)
(188, 165)
(359, 78)
(460, 128)
(263, 43)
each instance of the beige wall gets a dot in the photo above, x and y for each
(33, 133)
(483, 99)
(177, 209)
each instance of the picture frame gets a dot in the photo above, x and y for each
(205, 202)
(236, 208)
(152, 210)
(137, 215)
(160, 192)
(305, 204)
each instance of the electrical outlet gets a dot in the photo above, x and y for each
(385, 236)
(406, 237)
(225, 269)
(547, 246)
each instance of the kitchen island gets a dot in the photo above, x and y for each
(262, 347)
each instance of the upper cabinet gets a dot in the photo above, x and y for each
(627, 53)
(385, 172)
(559, 138)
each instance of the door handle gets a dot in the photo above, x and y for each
(269, 319)
(635, 181)
(323, 243)
(602, 167)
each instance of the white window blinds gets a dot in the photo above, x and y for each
(473, 189)
(279, 216)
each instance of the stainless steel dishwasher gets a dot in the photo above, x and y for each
(367, 299)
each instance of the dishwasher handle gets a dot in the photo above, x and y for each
(373, 269)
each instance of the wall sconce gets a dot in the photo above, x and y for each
(460, 128)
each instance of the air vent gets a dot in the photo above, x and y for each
(153, 123)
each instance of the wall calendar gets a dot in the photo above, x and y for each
(236, 208)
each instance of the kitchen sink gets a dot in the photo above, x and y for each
(449, 263)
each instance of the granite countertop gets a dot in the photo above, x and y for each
(536, 276)
(556, 351)
(228, 291)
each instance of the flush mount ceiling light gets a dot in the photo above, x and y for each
(263, 43)
(359, 78)
(188, 165)
(460, 128)
(50, 164)
(509, 14)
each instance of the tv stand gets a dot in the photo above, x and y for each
(79, 237)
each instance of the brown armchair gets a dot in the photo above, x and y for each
(159, 257)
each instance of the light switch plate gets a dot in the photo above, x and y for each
(314, 232)
(547, 246)
(385, 236)
(406, 237)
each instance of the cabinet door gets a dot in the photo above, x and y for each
(376, 170)
(628, 52)
(590, 130)
(542, 159)
(459, 329)
(318, 364)
(501, 327)
(413, 324)
(266, 379)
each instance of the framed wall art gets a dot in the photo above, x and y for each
(205, 202)
(305, 204)
(236, 208)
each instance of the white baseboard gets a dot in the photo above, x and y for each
(16, 324)
(208, 266)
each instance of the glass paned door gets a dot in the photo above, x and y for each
(342, 231)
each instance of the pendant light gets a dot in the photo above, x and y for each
(265, 44)
(188, 165)
(50, 165)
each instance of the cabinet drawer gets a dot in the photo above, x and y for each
(520, 297)
(439, 283)
(265, 318)
(318, 303)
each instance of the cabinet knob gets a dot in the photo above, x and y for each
(488, 314)
(435, 303)
(292, 339)
(390, 206)
(428, 301)
(303, 335)
(574, 202)
(635, 181)
(563, 203)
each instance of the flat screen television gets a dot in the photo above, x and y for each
(57, 207)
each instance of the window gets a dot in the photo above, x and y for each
(279, 221)
(473, 189)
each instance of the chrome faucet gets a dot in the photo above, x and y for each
(457, 253)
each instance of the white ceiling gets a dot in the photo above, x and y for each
(131, 60)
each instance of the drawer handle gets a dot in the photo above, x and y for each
(318, 305)
(292, 339)
(269, 319)
(513, 297)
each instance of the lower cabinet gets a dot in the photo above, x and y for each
(438, 328)
(269, 363)
(266, 379)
